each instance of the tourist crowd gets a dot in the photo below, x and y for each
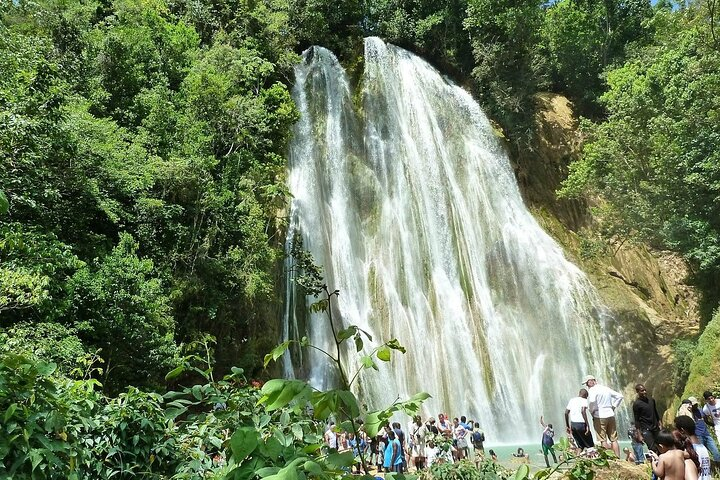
(685, 450)
(420, 445)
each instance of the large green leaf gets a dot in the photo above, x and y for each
(340, 460)
(313, 468)
(358, 342)
(46, 369)
(10, 411)
(292, 471)
(346, 333)
(174, 373)
(243, 442)
(368, 362)
(383, 353)
(373, 423)
(267, 471)
(271, 448)
(276, 352)
(350, 402)
(277, 393)
(522, 472)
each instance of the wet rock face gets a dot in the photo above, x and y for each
(645, 289)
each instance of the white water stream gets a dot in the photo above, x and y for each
(408, 202)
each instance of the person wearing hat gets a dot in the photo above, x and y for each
(603, 401)
(685, 409)
(701, 430)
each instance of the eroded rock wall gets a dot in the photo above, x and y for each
(644, 288)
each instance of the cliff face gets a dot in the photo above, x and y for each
(644, 288)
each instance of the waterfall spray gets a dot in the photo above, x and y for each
(409, 203)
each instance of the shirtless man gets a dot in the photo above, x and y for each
(670, 464)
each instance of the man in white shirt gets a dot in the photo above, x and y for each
(712, 409)
(331, 437)
(576, 421)
(602, 402)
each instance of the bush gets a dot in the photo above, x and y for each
(704, 367)
(48, 342)
(121, 307)
(683, 351)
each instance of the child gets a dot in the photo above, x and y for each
(670, 464)
(382, 444)
(692, 462)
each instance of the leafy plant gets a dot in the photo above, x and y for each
(683, 352)
(339, 404)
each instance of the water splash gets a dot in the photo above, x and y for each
(409, 203)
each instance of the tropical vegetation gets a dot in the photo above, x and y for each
(142, 203)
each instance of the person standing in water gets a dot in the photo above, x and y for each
(548, 444)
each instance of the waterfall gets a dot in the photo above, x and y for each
(407, 200)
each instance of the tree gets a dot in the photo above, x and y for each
(121, 307)
(34, 267)
(655, 159)
(507, 74)
(580, 39)
(432, 29)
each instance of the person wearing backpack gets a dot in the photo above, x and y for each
(477, 438)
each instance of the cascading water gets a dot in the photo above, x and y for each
(409, 204)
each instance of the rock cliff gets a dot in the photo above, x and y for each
(645, 289)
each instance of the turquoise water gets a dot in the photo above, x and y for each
(533, 450)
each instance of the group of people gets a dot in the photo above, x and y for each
(421, 444)
(682, 452)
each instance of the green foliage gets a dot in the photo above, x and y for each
(334, 25)
(131, 437)
(33, 270)
(432, 28)
(683, 353)
(141, 47)
(591, 246)
(121, 308)
(48, 342)
(4, 204)
(124, 118)
(655, 158)
(466, 470)
(580, 39)
(58, 428)
(34, 420)
(504, 35)
(704, 365)
(340, 403)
